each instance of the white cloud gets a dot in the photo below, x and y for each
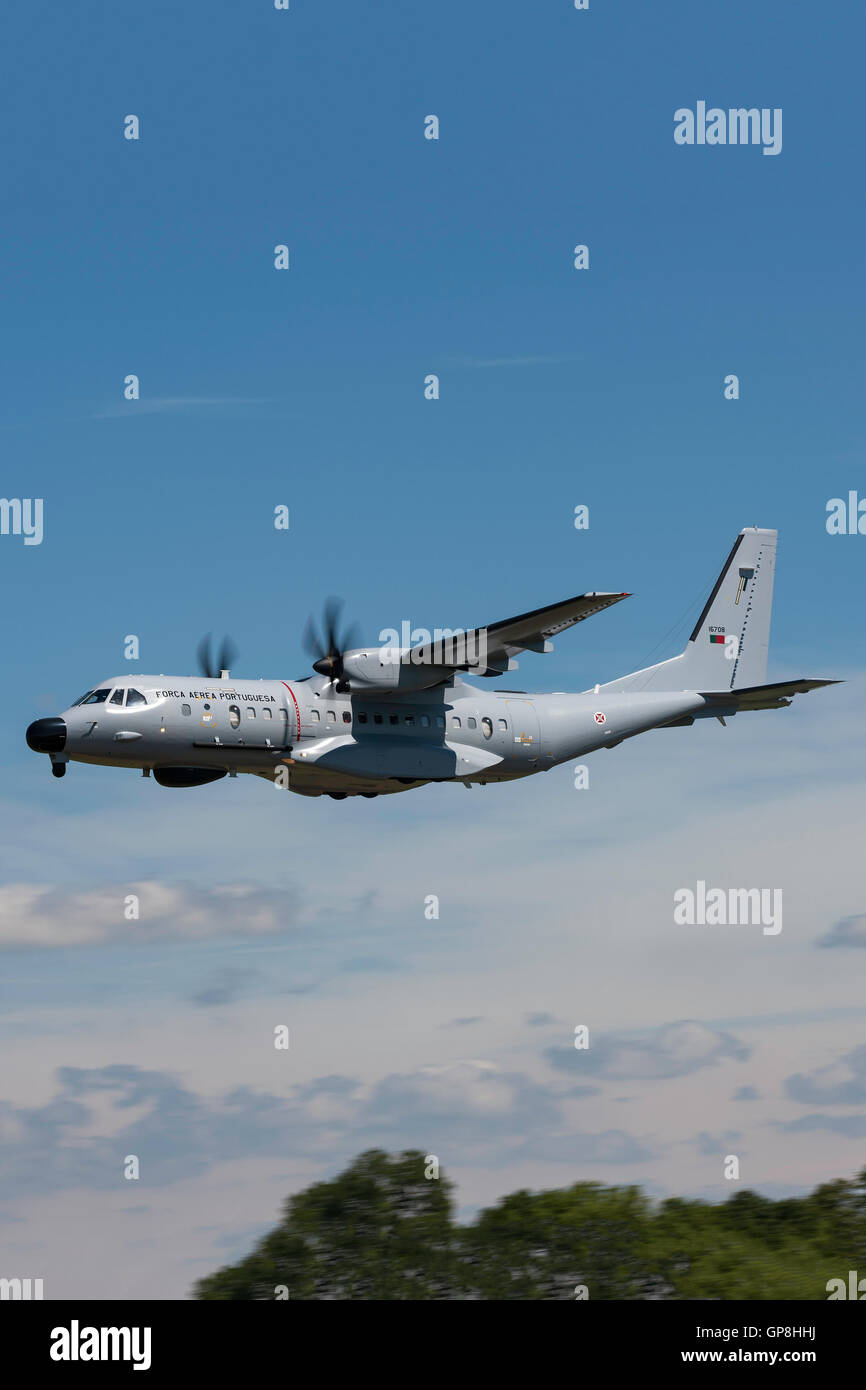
(842, 1082)
(675, 1050)
(32, 915)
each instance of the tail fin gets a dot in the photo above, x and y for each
(729, 644)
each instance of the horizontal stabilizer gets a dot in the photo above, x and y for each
(762, 696)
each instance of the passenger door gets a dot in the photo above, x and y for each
(524, 730)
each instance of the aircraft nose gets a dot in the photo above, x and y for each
(47, 735)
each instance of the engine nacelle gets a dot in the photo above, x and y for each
(398, 668)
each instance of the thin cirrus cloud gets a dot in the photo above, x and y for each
(223, 987)
(32, 915)
(541, 361)
(848, 1126)
(165, 405)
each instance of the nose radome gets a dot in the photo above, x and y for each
(47, 735)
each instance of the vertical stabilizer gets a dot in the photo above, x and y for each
(730, 641)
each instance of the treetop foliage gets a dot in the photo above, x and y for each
(382, 1229)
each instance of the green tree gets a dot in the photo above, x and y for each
(380, 1230)
(543, 1245)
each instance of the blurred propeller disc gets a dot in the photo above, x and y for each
(211, 665)
(330, 649)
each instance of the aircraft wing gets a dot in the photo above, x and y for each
(763, 696)
(491, 647)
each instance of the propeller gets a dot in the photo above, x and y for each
(211, 665)
(330, 649)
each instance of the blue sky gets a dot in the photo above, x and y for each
(306, 388)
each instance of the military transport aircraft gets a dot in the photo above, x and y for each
(379, 719)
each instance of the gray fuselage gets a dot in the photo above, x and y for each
(352, 743)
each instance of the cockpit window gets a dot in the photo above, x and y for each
(134, 697)
(81, 699)
(98, 697)
(117, 698)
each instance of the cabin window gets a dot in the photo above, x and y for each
(266, 712)
(331, 717)
(251, 711)
(455, 721)
(347, 716)
(117, 698)
(503, 723)
(408, 719)
(487, 727)
(377, 719)
(393, 718)
(234, 716)
(440, 721)
(185, 709)
(471, 723)
(362, 718)
(314, 715)
(134, 697)
(424, 721)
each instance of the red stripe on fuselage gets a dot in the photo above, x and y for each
(295, 703)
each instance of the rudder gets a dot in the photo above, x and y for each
(736, 617)
(730, 641)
